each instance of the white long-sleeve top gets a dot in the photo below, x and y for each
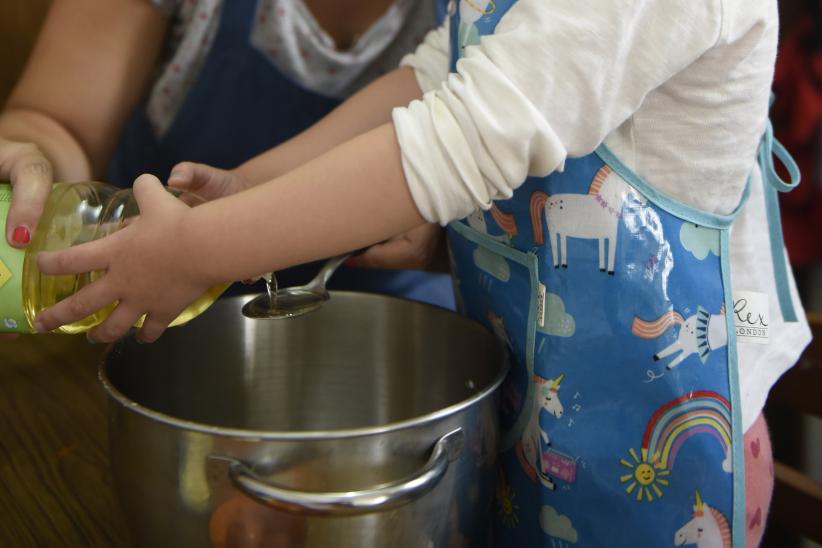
(677, 89)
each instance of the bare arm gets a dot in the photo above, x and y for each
(369, 108)
(88, 70)
(349, 197)
(365, 110)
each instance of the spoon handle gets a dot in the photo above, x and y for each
(317, 284)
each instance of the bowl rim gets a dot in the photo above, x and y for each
(117, 397)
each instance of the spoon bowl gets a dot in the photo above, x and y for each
(294, 301)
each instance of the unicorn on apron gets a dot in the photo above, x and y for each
(621, 415)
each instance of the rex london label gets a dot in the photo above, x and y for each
(751, 318)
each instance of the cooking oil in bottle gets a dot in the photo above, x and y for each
(74, 214)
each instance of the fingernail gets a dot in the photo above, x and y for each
(39, 327)
(21, 235)
(177, 175)
(90, 340)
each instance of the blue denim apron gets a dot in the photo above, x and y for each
(240, 106)
(621, 415)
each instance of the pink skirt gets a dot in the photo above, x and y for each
(758, 480)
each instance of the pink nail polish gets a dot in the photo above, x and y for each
(21, 235)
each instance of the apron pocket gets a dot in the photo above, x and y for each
(498, 286)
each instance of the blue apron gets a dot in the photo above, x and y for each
(621, 415)
(240, 106)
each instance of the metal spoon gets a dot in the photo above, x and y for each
(295, 301)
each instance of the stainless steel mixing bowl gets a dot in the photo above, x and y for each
(371, 422)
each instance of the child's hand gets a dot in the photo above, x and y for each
(147, 270)
(414, 250)
(205, 181)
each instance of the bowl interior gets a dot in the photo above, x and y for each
(360, 361)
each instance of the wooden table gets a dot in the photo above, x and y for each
(55, 484)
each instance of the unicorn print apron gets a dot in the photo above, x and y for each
(621, 415)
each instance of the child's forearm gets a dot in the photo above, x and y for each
(327, 206)
(365, 110)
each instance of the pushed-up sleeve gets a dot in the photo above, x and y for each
(552, 81)
(430, 60)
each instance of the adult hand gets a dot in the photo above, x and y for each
(205, 181)
(411, 250)
(30, 174)
(146, 271)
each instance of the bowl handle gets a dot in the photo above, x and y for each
(351, 503)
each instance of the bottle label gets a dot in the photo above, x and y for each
(12, 315)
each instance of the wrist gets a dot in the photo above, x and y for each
(210, 255)
(252, 173)
(192, 250)
(243, 176)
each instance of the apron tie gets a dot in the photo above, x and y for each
(773, 183)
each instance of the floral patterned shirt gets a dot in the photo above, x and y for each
(287, 34)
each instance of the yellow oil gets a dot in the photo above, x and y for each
(71, 218)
